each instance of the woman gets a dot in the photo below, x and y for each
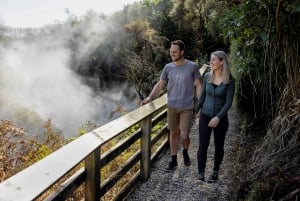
(215, 100)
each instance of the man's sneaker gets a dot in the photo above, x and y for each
(213, 177)
(172, 165)
(186, 159)
(200, 177)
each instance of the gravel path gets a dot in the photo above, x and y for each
(180, 184)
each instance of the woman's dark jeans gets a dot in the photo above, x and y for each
(204, 138)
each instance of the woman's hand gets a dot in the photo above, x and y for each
(214, 122)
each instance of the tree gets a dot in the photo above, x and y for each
(144, 47)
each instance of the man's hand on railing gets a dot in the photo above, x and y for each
(145, 101)
(155, 92)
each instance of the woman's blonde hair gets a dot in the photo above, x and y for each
(226, 72)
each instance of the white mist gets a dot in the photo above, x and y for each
(35, 74)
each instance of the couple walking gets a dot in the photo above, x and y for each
(215, 95)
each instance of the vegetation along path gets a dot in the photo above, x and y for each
(181, 184)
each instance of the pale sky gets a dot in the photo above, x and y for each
(37, 13)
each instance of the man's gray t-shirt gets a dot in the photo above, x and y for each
(180, 84)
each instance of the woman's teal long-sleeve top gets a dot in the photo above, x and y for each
(215, 101)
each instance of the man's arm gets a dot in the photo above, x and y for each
(155, 91)
(198, 85)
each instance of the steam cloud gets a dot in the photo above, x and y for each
(36, 75)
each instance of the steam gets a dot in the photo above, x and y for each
(36, 74)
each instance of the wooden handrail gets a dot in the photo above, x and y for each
(33, 181)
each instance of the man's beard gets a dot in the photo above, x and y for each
(178, 58)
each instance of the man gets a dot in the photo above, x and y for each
(181, 76)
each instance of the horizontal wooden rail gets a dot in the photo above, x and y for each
(32, 182)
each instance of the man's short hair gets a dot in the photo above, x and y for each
(180, 43)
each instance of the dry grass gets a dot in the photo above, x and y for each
(274, 168)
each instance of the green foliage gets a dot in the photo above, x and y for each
(40, 151)
(293, 7)
(254, 29)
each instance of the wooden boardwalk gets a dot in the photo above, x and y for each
(180, 184)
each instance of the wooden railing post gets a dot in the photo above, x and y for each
(92, 184)
(146, 148)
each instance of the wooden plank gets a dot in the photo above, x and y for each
(113, 128)
(92, 183)
(145, 148)
(66, 189)
(118, 174)
(120, 147)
